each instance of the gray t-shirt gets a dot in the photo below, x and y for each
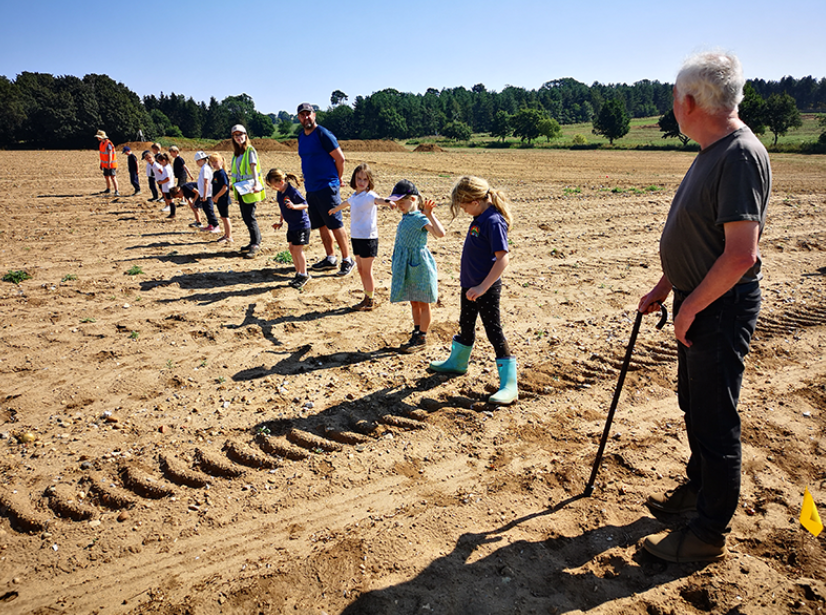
(728, 181)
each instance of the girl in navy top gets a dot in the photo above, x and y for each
(220, 194)
(484, 258)
(293, 208)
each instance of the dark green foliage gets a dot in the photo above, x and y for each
(337, 97)
(16, 276)
(526, 124)
(42, 111)
(613, 121)
(752, 110)
(781, 115)
(458, 131)
(671, 128)
(501, 126)
(260, 125)
(286, 127)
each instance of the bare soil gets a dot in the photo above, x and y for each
(182, 432)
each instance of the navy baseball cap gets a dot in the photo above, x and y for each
(402, 189)
(305, 107)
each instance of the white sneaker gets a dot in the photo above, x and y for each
(166, 209)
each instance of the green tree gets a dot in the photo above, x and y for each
(782, 115)
(239, 108)
(339, 120)
(526, 124)
(501, 127)
(549, 128)
(670, 128)
(260, 125)
(11, 112)
(161, 125)
(337, 97)
(752, 110)
(612, 122)
(286, 127)
(456, 130)
(391, 124)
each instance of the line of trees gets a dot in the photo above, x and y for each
(776, 114)
(40, 110)
(399, 115)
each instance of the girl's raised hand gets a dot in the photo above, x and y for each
(288, 203)
(428, 205)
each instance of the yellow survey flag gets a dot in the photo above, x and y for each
(808, 515)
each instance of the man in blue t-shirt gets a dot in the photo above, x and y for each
(322, 163)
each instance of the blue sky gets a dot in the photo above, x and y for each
(284, 53)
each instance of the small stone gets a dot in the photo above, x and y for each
(28, 438)
(163, 429)
(94, 523)
(86, 466)
(123, 516)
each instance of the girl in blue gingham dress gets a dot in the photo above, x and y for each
(413, 266)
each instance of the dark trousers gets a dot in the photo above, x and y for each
(133, 178)
(209, 211)
(153, 187)
(709, 377)
(486, 306)
(248, 216)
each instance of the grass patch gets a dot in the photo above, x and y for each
(134, 270)
(85, 320)
(283, 257)
(16, 276)
(69, 277)
(134, 335)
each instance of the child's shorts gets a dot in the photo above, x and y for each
(365, 248)
(298, 237)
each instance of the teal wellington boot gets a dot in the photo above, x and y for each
(456, 362)
(507, 393)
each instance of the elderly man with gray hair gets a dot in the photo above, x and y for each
(711, 261)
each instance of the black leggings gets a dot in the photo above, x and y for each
(486, 306)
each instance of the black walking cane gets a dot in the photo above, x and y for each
(589, 489)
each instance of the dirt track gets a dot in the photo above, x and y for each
(207, 439)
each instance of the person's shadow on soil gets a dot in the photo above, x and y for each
(359, 415)
(255, 282)
(557, 575)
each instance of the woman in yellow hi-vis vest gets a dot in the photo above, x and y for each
(245, 177)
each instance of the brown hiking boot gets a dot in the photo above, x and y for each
(682, 546)
(678, 500)
(365, 306)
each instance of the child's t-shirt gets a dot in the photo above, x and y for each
(487, 235)
(219, 180)
(178, 168)
(132, 162)
(188, 190)
(205, 182)
(162, 173)
(150, 169)
(363, 215)
(295, 219)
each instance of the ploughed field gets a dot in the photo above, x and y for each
(182, 432)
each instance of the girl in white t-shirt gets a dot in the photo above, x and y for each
(164, 178)
(364, 229)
